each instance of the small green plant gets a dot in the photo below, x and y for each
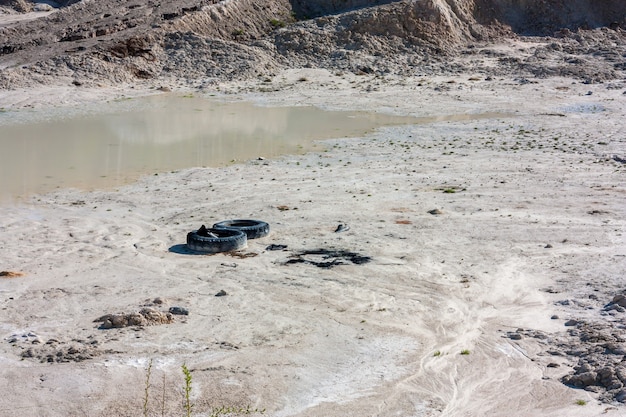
(187, 391)
(277, 23)
(223, 411)
(449, 191)
(465, 352)
(437, 353)
(581, 402)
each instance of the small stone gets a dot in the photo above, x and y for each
(571, 322)
(435, 212)
(515, 336)
(553, 365)
(181, 311)
(548, 246)
(554, 317)
(221, 293)
(620, 300)
(158, 300)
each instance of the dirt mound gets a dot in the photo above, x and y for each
(113, 41)
(20, 6)
(145, 317)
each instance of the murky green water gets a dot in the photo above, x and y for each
(125, 140)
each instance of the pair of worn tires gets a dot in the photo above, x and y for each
(226, 236)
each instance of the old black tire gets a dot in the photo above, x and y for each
(254, 229)
(227, 240)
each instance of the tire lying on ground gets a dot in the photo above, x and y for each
(216, 240)
(254, 229)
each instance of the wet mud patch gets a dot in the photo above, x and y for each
(327, 258)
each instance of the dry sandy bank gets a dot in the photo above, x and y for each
(531, 224)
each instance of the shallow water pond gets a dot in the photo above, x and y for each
(44, 151)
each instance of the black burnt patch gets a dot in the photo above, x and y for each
(327, 258)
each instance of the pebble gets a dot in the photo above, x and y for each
(181, 311)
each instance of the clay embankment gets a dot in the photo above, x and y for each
(195, 43)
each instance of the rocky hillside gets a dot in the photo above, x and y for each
(200, 41)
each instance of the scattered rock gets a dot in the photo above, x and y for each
(227, 345)
(342, 228)
(571, 322)
(435, 212)
(221, 293)
(601, 364)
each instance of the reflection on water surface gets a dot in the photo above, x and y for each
(157, 134)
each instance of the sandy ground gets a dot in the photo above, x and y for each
(530, 225)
